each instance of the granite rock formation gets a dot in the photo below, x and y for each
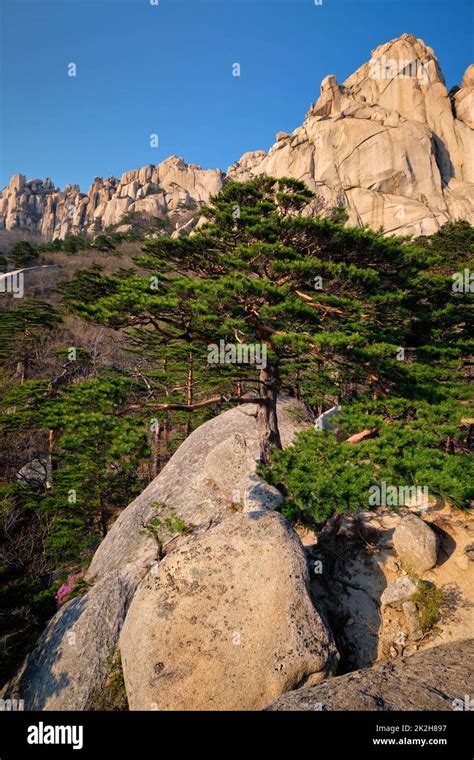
(391, 144)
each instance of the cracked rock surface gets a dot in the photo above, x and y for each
(429, 680)
(226, 622)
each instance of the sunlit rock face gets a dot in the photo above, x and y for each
(170, 187)
(390, 144)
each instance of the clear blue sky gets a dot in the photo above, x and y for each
(167, 69)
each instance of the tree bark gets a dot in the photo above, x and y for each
(190, 389)
(155, 439)
(50, 462)
(166, 435)
(267, 419)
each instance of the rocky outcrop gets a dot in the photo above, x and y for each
(35, 472)
(464, 99)
(227, 563)
(226, 622)
(376, 610)
(172, 187)
(438, 679)
(196, 486)
(416, 544)
(390, 144)
(209, 478)
(71, 658)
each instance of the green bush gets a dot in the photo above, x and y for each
(428, 600)
(23, 254)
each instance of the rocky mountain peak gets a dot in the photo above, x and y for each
(390, 143)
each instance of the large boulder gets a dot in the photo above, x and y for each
(35, 472)
(71, 659)
(209, 477)
(416, 544)
(398, 592)
(226, 622)
(436, 679)
(212, 475)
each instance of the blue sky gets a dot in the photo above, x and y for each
(167, 69)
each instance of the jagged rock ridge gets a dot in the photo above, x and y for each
(170, 187)
(390, 143)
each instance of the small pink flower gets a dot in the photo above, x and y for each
(63, 591)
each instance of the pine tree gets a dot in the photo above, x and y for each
(96, 459)
(23, 254)
(421, 422)
(21, 326)
(252, 276)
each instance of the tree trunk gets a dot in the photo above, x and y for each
(26, 358)
(267, 420)
(155, 450)
(190, 389)
(166, 436)
(22, 366)
(50, 462)
(166, 426)
(20, 371)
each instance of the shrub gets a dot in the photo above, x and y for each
(163, 526)
(428, 600)
(23, 254)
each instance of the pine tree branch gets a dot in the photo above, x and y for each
(202, 404)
